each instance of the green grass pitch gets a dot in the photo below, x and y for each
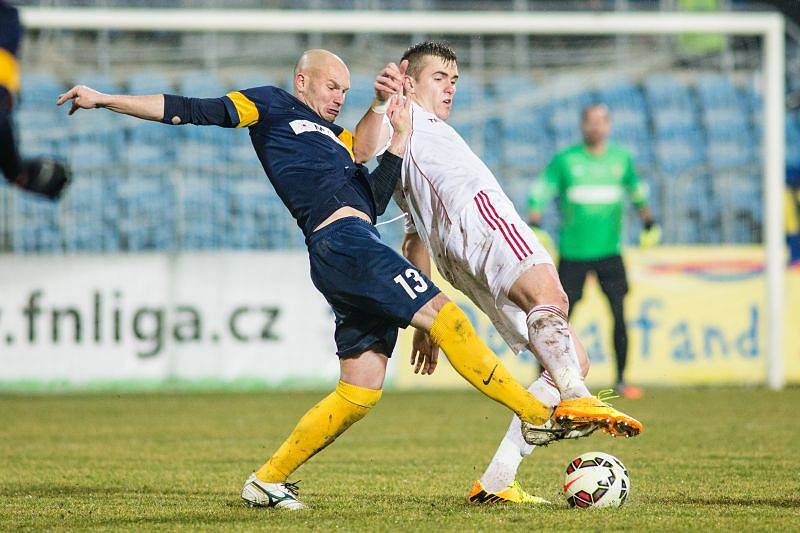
(724, 459)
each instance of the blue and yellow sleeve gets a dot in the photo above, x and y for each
(248, 107)
(10, 35)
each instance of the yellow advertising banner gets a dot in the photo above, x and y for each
(695, 315)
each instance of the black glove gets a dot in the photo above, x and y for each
(44, 176)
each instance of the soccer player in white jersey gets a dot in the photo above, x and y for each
(457, 213)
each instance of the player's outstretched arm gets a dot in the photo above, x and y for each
(148, 107)
(372, 132)
(166, 108)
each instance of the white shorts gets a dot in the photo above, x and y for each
(489, 247)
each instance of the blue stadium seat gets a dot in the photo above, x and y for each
(717, 91)
(509, 86)
(89, 212)
(249, 214)
(198, 157)
(680, 152)
(91, 157)
(527, 144)
(250, 78)
(734, 151)
(153, 133)
(34, 223)
(101, 127)
(204, 210)
(686, 200)
(146, 214)
(98, 81)
(149, 82)
(201, 84)
(667, 91)
(40, 89)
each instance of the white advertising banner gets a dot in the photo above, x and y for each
(194, 317)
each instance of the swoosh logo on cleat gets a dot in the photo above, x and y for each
(489, 379)
(568, 485)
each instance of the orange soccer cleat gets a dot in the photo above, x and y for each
(578, 412)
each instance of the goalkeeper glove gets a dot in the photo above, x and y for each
(651, 235)
(44, 176)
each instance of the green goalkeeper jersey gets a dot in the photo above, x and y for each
(591, 191)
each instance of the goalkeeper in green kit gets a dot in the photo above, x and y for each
(592, 180)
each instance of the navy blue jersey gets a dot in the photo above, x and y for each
(10, 36)
(308, 159)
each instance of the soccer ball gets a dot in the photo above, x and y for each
(596, 479)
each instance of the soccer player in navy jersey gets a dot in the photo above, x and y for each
(44, 176)
(371, 288)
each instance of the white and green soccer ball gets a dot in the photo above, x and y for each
(596, 479)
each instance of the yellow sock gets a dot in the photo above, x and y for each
(319, 427)
(474, 360)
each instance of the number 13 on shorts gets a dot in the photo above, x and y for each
(420, 285)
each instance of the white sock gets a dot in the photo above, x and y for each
(502, 471)
(551, 342)
(545, 390)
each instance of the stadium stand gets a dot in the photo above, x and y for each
(694, 128)
(145, 186)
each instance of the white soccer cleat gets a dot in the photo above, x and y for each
(551, 431)
(257, 493)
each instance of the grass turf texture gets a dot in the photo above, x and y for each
(725, 459)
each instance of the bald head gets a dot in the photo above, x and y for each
(320, 81)
(316, 60)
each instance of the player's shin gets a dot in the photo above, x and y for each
(476, 363)
(318, 428)
(551, 341)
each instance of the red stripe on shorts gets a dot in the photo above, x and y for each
(482, 203)
(521, 244)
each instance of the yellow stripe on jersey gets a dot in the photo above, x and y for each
(9, 71)
(248, 114)
(347, 138)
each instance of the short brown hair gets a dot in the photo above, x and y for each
(417, 53)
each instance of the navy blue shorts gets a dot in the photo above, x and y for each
(372, 289)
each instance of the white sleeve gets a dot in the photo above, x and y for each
(387, 123)
(400, 199)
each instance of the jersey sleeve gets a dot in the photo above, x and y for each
(10, 35)
(637, 189)
(248, 107)
(546, 187)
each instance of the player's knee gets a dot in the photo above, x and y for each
(426, 316)
(543, 288)
(437, 302)
(556, 297)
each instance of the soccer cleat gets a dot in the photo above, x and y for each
(514, 493)
(552, 431)
(257, 493)
(577, 412)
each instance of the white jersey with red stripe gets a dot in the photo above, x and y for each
(471, 229)
(441, 175)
